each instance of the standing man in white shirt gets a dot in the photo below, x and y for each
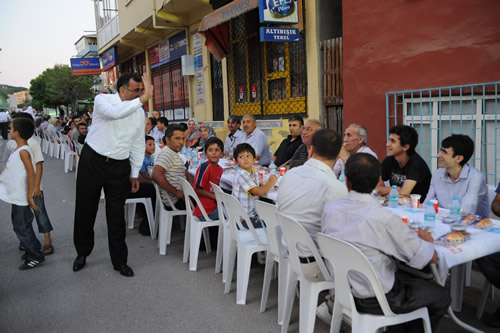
(111, 159)
(257, 139)
(355, 139)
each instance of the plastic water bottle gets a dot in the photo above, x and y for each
(272, 168)
(455, 209)
(430, 215)
(342, 177)
(394, 197)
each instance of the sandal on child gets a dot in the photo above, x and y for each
(48, 249)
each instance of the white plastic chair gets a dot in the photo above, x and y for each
(195, 227)
(56, 146)
(68, 153)
(130, 206)
(224, 236)
(295, 234)
(275, 254)
(246, 242)
(163, 221)
(345, 258)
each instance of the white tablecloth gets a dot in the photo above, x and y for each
(481, 242)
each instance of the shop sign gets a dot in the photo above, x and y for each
(278, 34)
(85, 66)
(109, 59)
(279, 11)
(172, 49)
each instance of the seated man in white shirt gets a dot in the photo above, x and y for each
(304, 190)
(355, 140)
(382, 237)
(457, 178)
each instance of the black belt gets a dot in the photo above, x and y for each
(107, 159)
(307, 260)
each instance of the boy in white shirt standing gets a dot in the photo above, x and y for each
(17, 183)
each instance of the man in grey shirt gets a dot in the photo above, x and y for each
(257, 139)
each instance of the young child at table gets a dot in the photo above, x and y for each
(246, 182)
(209, 171)
(17, 184)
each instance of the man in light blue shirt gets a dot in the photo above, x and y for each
(457, 178)
(257, 139)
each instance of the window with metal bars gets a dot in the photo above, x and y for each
(171, 88)
(266, 79)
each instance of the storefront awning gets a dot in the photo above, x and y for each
(215, 25)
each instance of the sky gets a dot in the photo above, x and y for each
(38, 34)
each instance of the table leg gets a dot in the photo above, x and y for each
(450, 310)
(457, 286)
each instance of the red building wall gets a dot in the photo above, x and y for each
(395, 45)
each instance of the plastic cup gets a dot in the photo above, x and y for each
(282, 171)
(436, 205)
(415, 200)
(404, 219)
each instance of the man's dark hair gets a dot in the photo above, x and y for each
(153, 121)
(147, 138)
(185, 126)
(162, 120)
(327, 143)
(296, 118)
(461, 144)
(363, 172)
(25, 126)
(407, 136)
(241, 148)
(124, 79)
(81, 125)
(22, 115)
(213, 140)
(171, 128)
(235, 119)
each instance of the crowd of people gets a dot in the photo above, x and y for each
(331, 187)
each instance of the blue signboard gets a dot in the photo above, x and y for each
(279, 11)
(177, 45)
(171, 49)
(109, 59)
(278, 34)
(85, 66)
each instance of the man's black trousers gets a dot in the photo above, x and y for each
(94, 173)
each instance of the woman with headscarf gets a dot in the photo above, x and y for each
(193, 133)
(206, 132)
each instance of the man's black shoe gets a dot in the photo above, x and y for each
(125, 270)
(79, 263)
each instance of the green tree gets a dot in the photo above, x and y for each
(57, 86)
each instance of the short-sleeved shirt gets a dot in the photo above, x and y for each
(258, 140)
(498, 188)
(286, 149)
(232, 140)
(416, 169)
(148, 161)
(206, 173)
(243, 182)
(174, 171)
(36, 152)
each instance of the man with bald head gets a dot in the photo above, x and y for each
(257, 139)
(301, 154)
(355, 138)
